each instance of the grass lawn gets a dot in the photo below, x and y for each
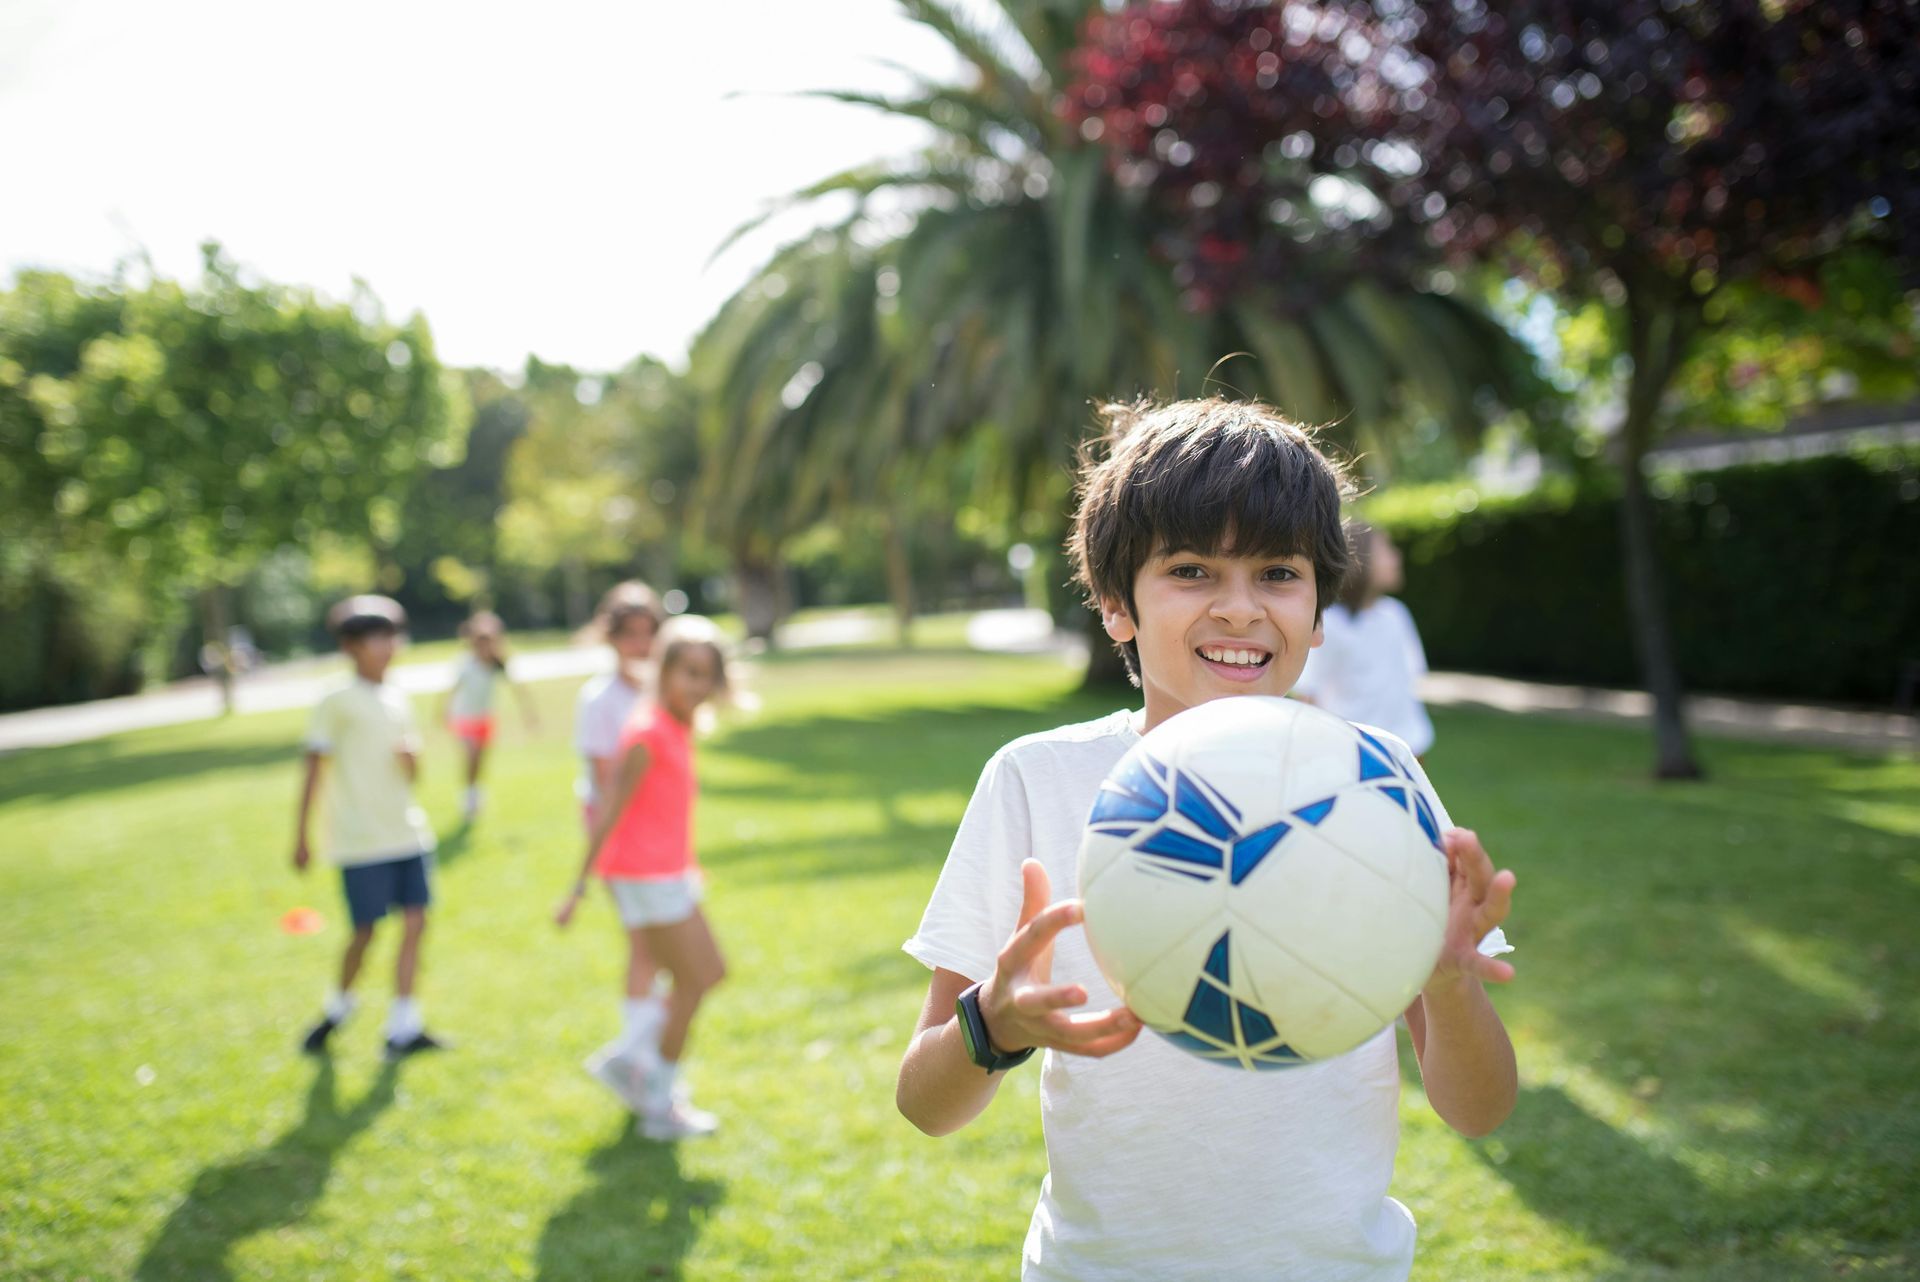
(1718, 1015)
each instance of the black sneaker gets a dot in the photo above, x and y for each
(420, 1041)
(316, 1040)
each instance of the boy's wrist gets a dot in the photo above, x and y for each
(1450, 991)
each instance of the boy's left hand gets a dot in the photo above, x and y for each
(1478, 899)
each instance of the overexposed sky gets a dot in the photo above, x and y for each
(547, 177)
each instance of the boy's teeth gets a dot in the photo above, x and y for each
(1244, 658)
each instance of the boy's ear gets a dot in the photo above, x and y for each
(1319, 629)
(1115, 619)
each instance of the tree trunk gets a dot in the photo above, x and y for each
(757, 587)
(216, 656)
(578, 605)
(1658, 335)
(899, 578)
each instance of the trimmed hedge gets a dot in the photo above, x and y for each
(1798, 579)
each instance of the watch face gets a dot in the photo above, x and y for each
(973, 1029)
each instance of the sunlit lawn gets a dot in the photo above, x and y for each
(1718, 1016)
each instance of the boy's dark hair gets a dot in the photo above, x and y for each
(366, 615)
(1358, 592)
(1202, 475)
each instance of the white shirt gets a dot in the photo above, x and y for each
(1367, 670)
(605, 704)
(473, 688)
(371, 815)
(1162, 1166)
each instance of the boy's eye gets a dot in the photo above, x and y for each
(1282, 573)
(1186, 571)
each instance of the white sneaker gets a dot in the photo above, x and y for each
(680, 1120)
(621, 1075)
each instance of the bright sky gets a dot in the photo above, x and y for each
(545, 177)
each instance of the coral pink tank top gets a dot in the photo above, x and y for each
(653, 838)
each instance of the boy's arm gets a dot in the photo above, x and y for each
(940, 1089)
(1466, 1058)
(302, 856)
(633, 768)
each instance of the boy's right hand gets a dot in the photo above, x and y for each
(1020, 1004)
(564, 913)
(301, 855)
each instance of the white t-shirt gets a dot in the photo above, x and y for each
(473, 688)
(371, 815)
(602, 711)
(1162, 1166)
(1367, 670)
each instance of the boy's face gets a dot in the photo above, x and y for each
(1212, 626)
(371, 653)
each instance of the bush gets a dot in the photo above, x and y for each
(1796, 579)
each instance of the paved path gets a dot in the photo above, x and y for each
(1706, 714)
(300, 685)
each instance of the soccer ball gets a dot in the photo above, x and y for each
(1264, 884)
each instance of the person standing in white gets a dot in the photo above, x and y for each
(628, 621)
(1369, 667)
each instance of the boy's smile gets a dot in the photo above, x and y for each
(1212, 625)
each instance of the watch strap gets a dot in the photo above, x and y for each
(973, 1031)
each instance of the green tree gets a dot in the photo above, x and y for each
(208, 425)
(600, 478)
(1681, 170)
(1027, 282)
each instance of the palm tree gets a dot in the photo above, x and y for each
(1023, 287)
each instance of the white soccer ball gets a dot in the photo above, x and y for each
(1264, 884)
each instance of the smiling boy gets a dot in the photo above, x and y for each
(1208, 536)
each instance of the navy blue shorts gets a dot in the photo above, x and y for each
(374, 889)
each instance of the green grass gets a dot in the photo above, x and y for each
(1718, 1016)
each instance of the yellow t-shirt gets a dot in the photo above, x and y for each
(371, 815)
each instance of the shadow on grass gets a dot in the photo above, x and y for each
(105, 766)
(638, 1219)
(1580, 1171)
(453, 843)
(271, 1188)
(1729, 954)
(905, 749)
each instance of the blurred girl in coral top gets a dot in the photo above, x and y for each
(642, 847)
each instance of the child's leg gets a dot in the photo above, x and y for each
(413, 925)
(688, 951)
(641, 1013)
(356, 954)
(340, 1002)
(404, 1023)
(476, 751)
(640, 968)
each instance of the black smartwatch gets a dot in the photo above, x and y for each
(973, 1030)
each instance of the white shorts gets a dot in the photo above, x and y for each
(656, 901)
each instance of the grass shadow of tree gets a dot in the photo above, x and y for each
(453, 843)
(270, 1188)
(638, 1219)
(106, 766)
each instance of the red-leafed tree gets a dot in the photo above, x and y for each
(1656, 156)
